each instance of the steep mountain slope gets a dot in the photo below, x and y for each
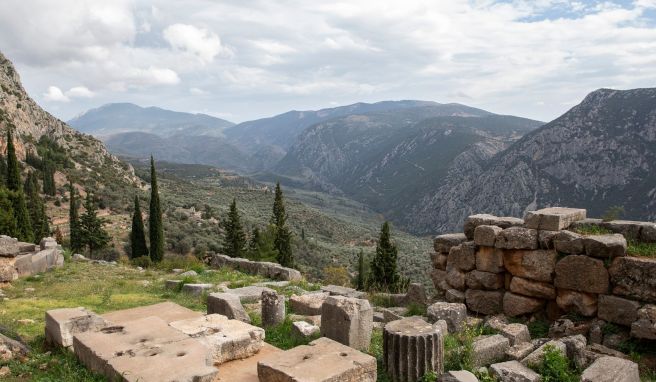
(93, 165)
(386, 160)
(600, 153)
(115, 118)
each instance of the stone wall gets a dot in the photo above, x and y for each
(269, 270)
(521, 267)
(18, 259)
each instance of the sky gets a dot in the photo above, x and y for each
(247, 59)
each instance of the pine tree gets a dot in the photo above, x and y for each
(155, 228)
(19, 205)
(37, 208)
(283, 237)
(234, 241)
(384, 275)
(92, 234)
(138, 234)
(13, 179)
(362, 276)
(74, 221)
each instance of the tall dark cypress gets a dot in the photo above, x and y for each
(7, 218)
(49, 178)
(13, 180)
(384, 275)
(21, 214)
(283, 237)
(3, 171)
(138, 234)
(37, 208)
(74, 221)
(155, 228)
(362, 276)
(234, 241)
(254, 244)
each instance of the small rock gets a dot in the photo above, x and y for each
(536, 358)
(4, 371)
(303, 329)
(454, 314)
(489, 349)
(458, 376)
(516, 333)
(189, 274)
(520, 351)
(513, 371)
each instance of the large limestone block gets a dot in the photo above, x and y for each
(520, 351)
(147, 349)
(227, 304)
(489, 259)
(484, 280)
(304, 329)
(454, 295)
(9, 247)
(484, 302)
(415, 294)
(634, 277)
(569, 243)
(605, 246)
(532, 288)
(323, 360)
(40, 261)
(517, 238)
(48, 242)
(455, 277)
(197, 289)
(8, 270)
(439, 260)
(167, 311)
(348, 321)
(438, 277)
(454, 314)
(645, 326)
(489, 349)
(611, 369)
(513, 371)
(23, 265)
(617, 310)
(249, 294)
(486, 235)
(62, 324)
(516, 333)
(338, 290)
(518, 305)
(443, 243)
(308, 304)
(536, 265)
(227, 339)
(628, 228)
(582, 273)
(572, 301)
(474, 221)
(536, 358)
(463, 256)
(546, 239)
(553, 218)
(411, 348)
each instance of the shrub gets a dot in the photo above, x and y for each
(336, 276)
(556, 367)
(538, 328)
(142, 261)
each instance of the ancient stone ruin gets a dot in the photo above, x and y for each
(18, 259)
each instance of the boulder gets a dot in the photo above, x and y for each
(474, 221)
(189, 274)
(628, 228)
(517, 238)
(336, 290)
(532, 288)
(308, 304)
(489, 259)
(273, 309)
(605, 246)
(197, 289)
(645, 326)
(302, 329)
(518, 305)
(443, 243)
(454, 314)
(611, 369)
(569, 274)
(575, 346)
(462, 256)
(484, 280)
(516, 333)
(323, 360)
(617, 310)
(573, 301)
(535, 265)
(634, 277)
(489, 349)
(47, 243)
(438, 277)
(546, 239)
(513, 371)
(458, 376)
(520, 351)
(486, 235)
(568, 242)
(62, 324)
(553, 218)
(484, 302)
(348, 321)
(227, 304)
(536, 358)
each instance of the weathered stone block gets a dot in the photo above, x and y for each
(516, 333)
(411, 348)
(197, 289)
(348, 321)
(489, 349)
(337, 290)
(577, 302)
(455, 277)
(486, 235)
(569, 243)
(167, 311)
(454, 295)
(443, 243)
(249, 294)
(517, 238)
(553, 218)
(582, 273)
(484, 302)
(634, 277)
(545, 239)
(462, 256)
(489, 259)
(273, 308)
(532, 288)
(575, 346)
(227, 339)
(62, 324)
(617, 310)
(611, 369)
(454, 314)
(415, 294)
(458, 376)
(48, 242)
(484, 280)
(605, 246)
(514, 371)
(438, 277)
(439, 260)
(536, 358)
(535, 265)
(172, 284)
(323, 360)
(474, 221)
(517, 305)
(308, 304)
(227, 304)
(628, 228)
(564, 327)
(304, 329)
(520, 351)
(645, 326)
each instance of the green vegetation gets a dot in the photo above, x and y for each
(234, 240)
(37, 208)
(23, 230)
(283, 237)
(459, 349)
(556, 367)
(138, 247)
(538, 328)
(592, 229)
(362, 274)
(92, 234)
(613, 213)
(155, 227)
(75, 240)
(639, 249)
(384, 275)
(281, 335)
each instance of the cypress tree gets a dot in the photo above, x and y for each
(3, 171)
(92, 234)
(283, 237)
(138, 234)
(13, 179)
(303, 234)
(7, 218)
(21, 214)
(254, 244)
(155, 228)
(384, 275)
(234, 241)
(361, 281)
(74, 221)
(49, 187)
(37, 208)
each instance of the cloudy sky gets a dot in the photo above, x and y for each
(243, 60)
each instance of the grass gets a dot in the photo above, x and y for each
(538, 328)
(592, 229)
(639, 249)
(556, 367)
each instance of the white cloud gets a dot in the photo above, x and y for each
(198, 91)
(79, 92)
(198, 41)
(55, 94)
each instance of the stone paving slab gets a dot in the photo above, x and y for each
(167, 311)
(245, 370)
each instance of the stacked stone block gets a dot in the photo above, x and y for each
(520, 267)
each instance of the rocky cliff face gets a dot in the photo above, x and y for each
(30, 122)
(599, 154)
